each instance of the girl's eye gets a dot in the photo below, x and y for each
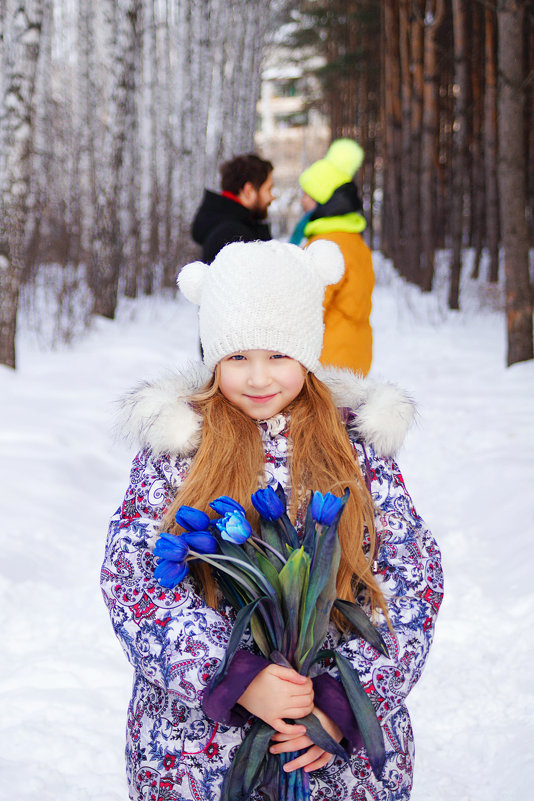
(278, 356)
(236, 357)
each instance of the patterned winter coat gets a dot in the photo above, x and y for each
(174, 641)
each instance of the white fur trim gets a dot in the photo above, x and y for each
(158, 416)
(384, 412)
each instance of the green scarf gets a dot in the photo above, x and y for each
(352, 223)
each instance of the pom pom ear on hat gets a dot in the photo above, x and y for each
(327, 260)
(191, 280)
(347, 155)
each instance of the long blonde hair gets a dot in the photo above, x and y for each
(230, 461)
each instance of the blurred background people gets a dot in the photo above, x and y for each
(239, 212)
(333, 210)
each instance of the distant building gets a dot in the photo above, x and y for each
(291, 132)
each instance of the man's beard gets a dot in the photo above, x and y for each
(259, 212)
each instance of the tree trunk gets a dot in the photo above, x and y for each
(489, 134)
(416, 124)
(510, 16)
(152, 109)
(459, 153)
(477, 198)
(131, 54)
(406, 267)
(434, 12)
(22, 27)
(391, 125)
(529, 123)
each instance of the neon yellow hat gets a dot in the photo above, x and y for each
(338, 167)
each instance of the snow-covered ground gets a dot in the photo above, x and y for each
(469, 465)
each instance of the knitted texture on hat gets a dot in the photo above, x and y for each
(347, 155)
(263, 295)
(342, 161)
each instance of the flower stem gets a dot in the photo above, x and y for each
(214, 562)
(261, 580)
(269, 548)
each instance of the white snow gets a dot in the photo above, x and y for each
(64, 683)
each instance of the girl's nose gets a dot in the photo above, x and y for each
(259, 376)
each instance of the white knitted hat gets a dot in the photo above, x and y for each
(263, 295)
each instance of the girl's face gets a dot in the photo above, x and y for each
(260, 382)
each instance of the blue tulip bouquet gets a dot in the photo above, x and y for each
(284, 588)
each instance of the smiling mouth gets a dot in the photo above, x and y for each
(260, 398)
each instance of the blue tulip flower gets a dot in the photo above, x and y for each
(268, 504)
(234, 527)
(192, 519)
(171, 547)
(201, 541)
(169, 574)
(325, 508)
(225, 505)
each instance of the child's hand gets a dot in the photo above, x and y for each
(315, 757)
(276, 693)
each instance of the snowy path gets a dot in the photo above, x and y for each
(64, 682)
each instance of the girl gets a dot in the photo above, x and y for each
(261, 411)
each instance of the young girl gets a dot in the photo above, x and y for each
(261, 411)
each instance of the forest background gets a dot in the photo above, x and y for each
(115, 115)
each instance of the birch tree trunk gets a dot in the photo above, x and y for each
(150, 209)
(217, 85)
(85, 191)
(519, 307)
(130, 48)
(22, 27)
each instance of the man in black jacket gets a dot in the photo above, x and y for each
(238, 213)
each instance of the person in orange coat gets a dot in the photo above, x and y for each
(334, 209)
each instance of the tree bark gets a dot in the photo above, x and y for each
(477, 194)
(391, 206)
(22, 32)
(405, 266)
(519, 307)
(434, 13)
(416, 124)
(131, 189)
(459, 151)
(489, 134)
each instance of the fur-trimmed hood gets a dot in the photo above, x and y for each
(156, 415)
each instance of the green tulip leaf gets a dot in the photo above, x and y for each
(248, 764)
(273, 536)
(320, 736)
(270, 572)
(241, 623)
(361, 624)
(325, 563)
(364, 712)
(293, 580)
